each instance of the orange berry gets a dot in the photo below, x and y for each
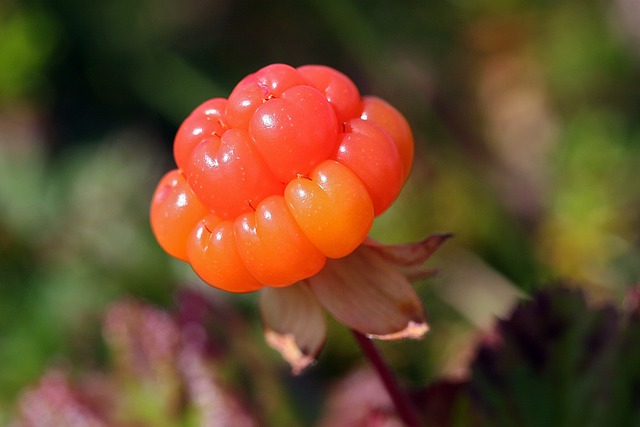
(273, 247)
(213, 254)
(175, 210)
(332, 207)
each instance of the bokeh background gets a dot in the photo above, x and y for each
(526, 116)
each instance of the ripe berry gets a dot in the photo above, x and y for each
(391, 120)
(339, 90)
(371, 153)
(174, 212)
(270, 241)
(213, 254)
(229, 175)
(288, 171)
(294, 132)
(206, 122)
(332, 207)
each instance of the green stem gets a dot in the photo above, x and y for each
(404, 407)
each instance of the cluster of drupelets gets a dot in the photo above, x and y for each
(288, 171)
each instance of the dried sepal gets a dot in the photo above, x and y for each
(368, 294)
(294, 324)
(413, 330)
(409, 258)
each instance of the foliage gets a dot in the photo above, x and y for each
(556, 360)
(559, 361)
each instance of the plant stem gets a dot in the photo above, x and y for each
(405, 408)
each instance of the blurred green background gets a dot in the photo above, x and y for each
(526, 116)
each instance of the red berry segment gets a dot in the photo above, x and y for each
(288, 171)
(391, 120)
(206, 121)
(213, 254)
(175, 210)
(332, 207)
(276, 78)
(270, 242)
(339, 90)
(229, 176)
(255, 89)
(243, 101)
(295, 132)
(373, 156)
